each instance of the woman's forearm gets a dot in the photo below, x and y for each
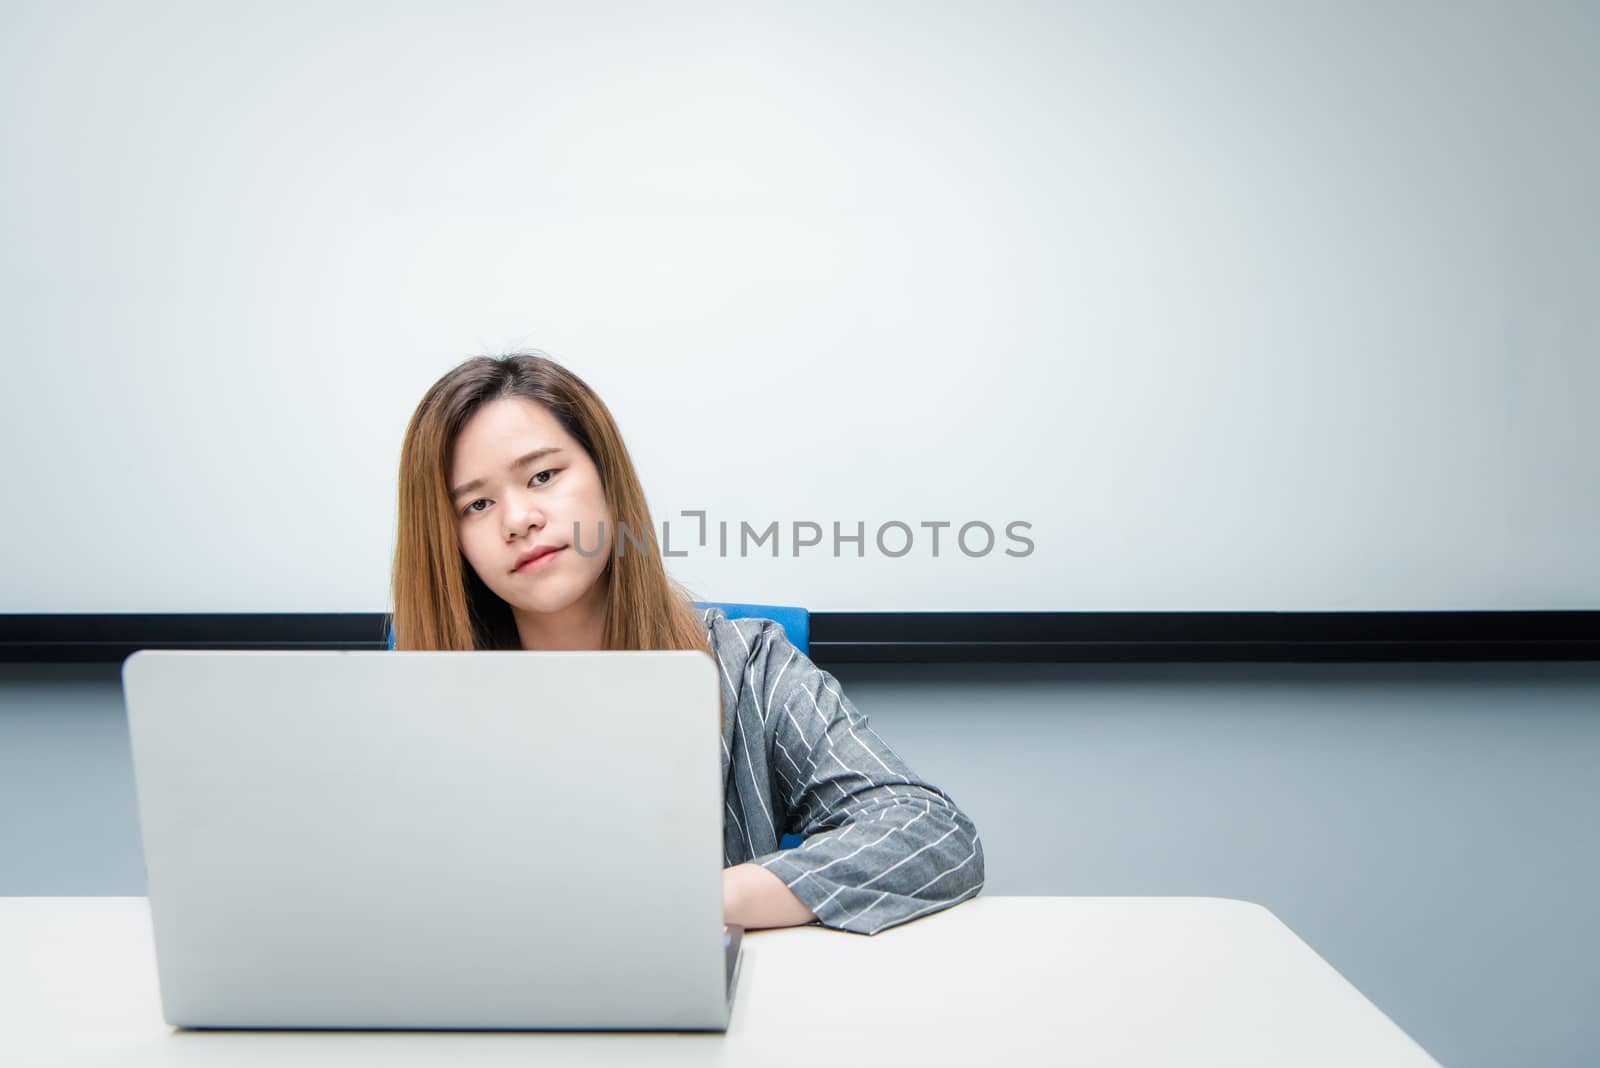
(754, 897)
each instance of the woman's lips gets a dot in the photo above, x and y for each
(539, 562)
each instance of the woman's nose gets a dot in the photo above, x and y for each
(524, 512)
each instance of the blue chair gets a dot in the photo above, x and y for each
(796, 624)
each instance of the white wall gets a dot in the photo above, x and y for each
(1241, 307)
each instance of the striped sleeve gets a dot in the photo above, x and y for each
(882, 845)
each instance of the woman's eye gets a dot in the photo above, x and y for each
(473, 507)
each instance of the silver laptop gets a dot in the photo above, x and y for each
(427, 840)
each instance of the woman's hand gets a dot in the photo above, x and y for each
(754, 897)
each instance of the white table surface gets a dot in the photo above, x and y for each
(1102, 981)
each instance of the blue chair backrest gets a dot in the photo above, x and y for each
(796, 623)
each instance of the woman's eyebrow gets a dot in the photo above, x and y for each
(512, 466)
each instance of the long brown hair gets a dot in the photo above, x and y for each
(440, 603)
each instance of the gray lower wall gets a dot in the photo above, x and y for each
(1428, 829)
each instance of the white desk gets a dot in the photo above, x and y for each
(994, 981)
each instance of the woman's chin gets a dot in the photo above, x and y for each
(543, 602)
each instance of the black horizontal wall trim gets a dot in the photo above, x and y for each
(914, 637)
(1181, 637)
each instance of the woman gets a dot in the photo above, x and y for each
(523, 526)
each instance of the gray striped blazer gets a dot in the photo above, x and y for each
(882, 845)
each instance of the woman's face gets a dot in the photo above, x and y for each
(508, 503)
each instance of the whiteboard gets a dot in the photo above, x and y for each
(1255, 308)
